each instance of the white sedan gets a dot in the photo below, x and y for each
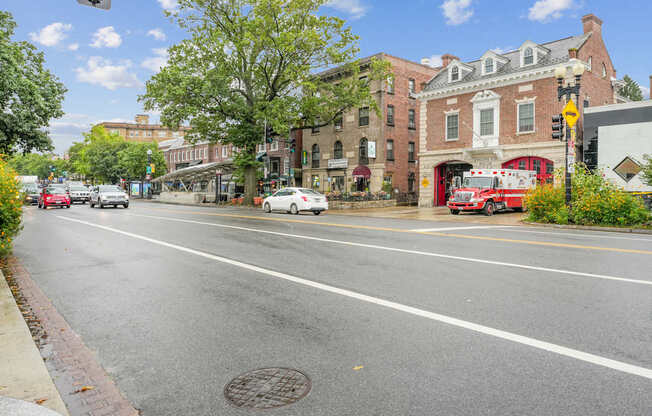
(295, 200)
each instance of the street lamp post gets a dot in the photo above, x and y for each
(149, 167)
(568, 91)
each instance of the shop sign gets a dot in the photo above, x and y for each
(338, 163)
(304, 157)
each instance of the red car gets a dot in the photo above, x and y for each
(53, 197)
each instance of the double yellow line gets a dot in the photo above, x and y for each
(398, 230)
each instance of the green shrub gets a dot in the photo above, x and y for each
(594, 201)
(11, 206)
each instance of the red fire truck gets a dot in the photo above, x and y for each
(491, 190)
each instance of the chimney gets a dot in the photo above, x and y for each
(447, 59)
(142, 119)
(572, 53)
(592, 24)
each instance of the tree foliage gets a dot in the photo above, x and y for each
(30, 95)
(132, 161)
(38, 165)
(10, 208)
(646, 173)
(631, 89)
(252, 63)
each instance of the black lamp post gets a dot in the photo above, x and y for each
(568, 91)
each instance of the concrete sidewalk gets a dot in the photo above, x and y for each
(23, 374)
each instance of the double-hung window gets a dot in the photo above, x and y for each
(452, 127)
(487, 122)
(526, 118)
(390, 115)
(412, 124)
(390, 149)
(363, 116)
(411, 152)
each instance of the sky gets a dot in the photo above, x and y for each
(105, 57)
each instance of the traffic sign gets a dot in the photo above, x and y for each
(425, 182)
(149, 170)
(571, 113)
(153, 168)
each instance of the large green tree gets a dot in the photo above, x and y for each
(38, 165)
(132, 161)
(631, 89)
(251, 64)
(647, 169)
(30, 95)
(97, 157)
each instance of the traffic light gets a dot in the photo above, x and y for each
(268, 135)
(293, 145)
(558, 127)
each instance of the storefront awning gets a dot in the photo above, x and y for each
(362, 172)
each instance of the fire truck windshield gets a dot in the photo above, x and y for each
(478, 182)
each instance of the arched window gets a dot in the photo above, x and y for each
(315, 155)
(337, 150)
(455, 73)
(528, 56)
(589, 62)
(488, 66)
(363, 157)
(604, 71)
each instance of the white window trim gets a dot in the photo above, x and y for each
(520, 102)
(484, 66)
(273, 146)
(459, 74)
(534, 56)
(485, 100)
(225, 151)
(451, 113)
(261, 147)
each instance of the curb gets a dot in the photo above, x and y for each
(592, 228)
(23, 373)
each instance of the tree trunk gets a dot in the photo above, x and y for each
(250, 185)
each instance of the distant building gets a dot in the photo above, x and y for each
(615, 139)
(142, 131)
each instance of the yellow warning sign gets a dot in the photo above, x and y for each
(425, 182)
(571, 113)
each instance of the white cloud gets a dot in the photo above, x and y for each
(156, 34)
(154, 63)
(168, 5)
(434, 61)
(73, 46)
(52, 34)
(100, 71)
(544, 10)
(457, 11)
(353, 7)
(645, 91)
(106, 37)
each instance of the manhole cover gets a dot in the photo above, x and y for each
(267, 388)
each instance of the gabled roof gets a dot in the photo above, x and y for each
(558, 53)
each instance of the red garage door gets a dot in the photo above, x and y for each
(543, 167)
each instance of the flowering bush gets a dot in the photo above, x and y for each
(594, 201)
(11, 205)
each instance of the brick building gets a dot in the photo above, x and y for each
(282, 167)
(496, 111)
(363, 150)
(142, 131)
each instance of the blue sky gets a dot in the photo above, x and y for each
(104, 58)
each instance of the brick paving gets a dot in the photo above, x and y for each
(71, 364)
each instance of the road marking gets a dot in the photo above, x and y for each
(399, 230)
(477, 227)
(401, 250)
(497, 333)
(601, 236)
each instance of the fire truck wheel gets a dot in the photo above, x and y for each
(489, 208)
(455, 211)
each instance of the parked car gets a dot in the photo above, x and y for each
(31, 193)
(53, 196)
(103, 195)
(79, 193)
(295, 200)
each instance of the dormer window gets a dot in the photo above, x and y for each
(488, 66)
(455, 74)
(528, 56)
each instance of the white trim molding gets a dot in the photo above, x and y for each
(524, 101)
(446, 115)
(537, 52)
(486, 100)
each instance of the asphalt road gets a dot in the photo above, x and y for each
(386, 316)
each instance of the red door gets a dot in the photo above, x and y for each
(440, 185)
(544, 167)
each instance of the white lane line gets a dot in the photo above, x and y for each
(401, 250)
(478, 227)
(520, 339)
(599, 236)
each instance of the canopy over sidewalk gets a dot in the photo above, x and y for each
(204, 172)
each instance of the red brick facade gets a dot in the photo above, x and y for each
(505, 91)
